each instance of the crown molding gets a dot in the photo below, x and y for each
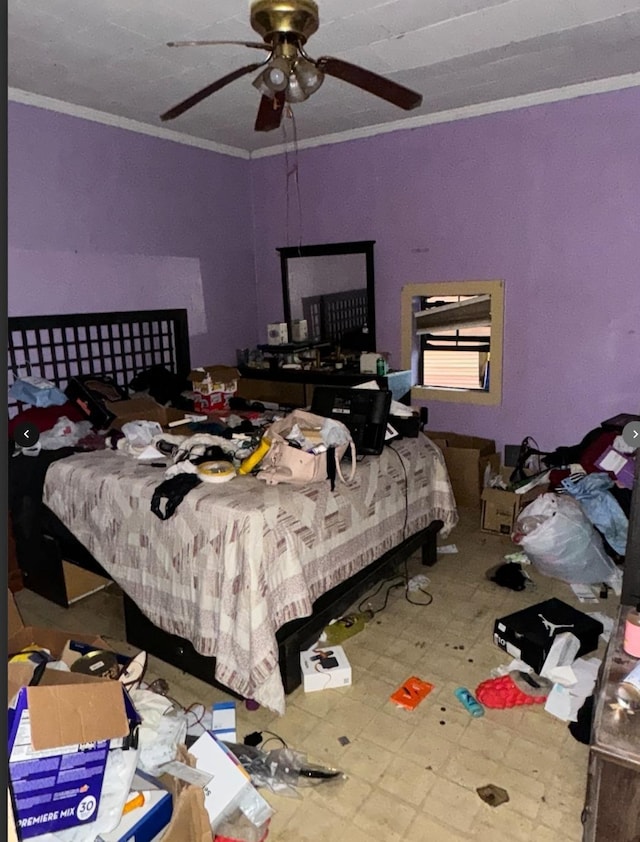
(524, 101)
(26, 98)
(513, 103)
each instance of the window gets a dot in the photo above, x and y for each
(452, 340)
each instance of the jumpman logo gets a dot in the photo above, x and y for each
(553, 627)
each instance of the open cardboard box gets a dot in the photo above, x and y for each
(59, 733)
(213, 385)
(500, 507)
(142, 409)
(466, 458)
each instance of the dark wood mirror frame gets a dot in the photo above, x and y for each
(364, 247)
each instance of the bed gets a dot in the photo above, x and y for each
(244, 575)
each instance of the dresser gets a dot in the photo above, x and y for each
(294, 387)
(612, 808)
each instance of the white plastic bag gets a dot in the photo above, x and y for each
(561, 542)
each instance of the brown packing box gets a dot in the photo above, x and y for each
(66, 713)
(500, 508)
(466, 458)
(21, 636)
(142, 409)
(190, 819)
(223, 378)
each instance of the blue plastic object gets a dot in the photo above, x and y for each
(472, 705)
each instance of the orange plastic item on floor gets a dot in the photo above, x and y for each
(503, 692)
(411, 692)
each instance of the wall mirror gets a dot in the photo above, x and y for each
(331, 286)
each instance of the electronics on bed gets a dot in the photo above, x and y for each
(364, 411)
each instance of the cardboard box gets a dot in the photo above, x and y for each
(529, 634)
(621, 465)
(214, 386)
(500, 508)
(55, 640)
(142, 409)
(59, 733)
(315, 676)
(466, 458)
(229, 787)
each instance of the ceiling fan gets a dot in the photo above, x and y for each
(288, 74)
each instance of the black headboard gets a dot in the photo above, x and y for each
(119, 344)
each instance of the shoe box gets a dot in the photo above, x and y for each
(528, 634)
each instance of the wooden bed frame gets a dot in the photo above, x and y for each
(122, 345)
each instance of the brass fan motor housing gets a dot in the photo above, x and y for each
(274, 18)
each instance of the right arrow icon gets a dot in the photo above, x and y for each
(631, 433)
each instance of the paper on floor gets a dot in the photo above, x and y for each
(565, 702)
(607, 622)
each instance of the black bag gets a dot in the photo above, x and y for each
(89, 392)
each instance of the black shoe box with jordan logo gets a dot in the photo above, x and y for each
(528, 634)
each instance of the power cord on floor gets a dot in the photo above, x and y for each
(406, 490)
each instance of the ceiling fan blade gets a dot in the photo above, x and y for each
(373, 83)
(194, 99)
(258, 45)
(270, 112)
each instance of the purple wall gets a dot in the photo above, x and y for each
(547, 198)
(103, 218)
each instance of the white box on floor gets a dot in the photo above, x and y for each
(325, 667)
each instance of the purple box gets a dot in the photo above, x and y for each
(57, 755)
(621, 465)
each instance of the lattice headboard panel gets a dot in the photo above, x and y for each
(119, 345)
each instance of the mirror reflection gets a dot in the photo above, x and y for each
(330, 287)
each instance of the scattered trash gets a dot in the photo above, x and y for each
(519, 557)
(347, 626)
(509, 575)
(411, 692)
(448, 549)
(561, 542)
(418, 582)
(584, 593)
(493, 795)
(469, 701)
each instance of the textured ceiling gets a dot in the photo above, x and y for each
(111, 56)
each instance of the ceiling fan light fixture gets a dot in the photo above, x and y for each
(308, 76)
(276, 74)
(259, 83)
(295, 92)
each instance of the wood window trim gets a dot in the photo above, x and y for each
(410, 341)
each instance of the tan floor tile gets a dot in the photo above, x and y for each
(530, 758)
(312, 822)
(366, 760)
(387, 730)
(502, 825)
(408, 780)
(428, 749)
(344, 797)
(469, 769)
(392, 670)
(452, 805)
(426, 829)
(486, 738)
(382, 814)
